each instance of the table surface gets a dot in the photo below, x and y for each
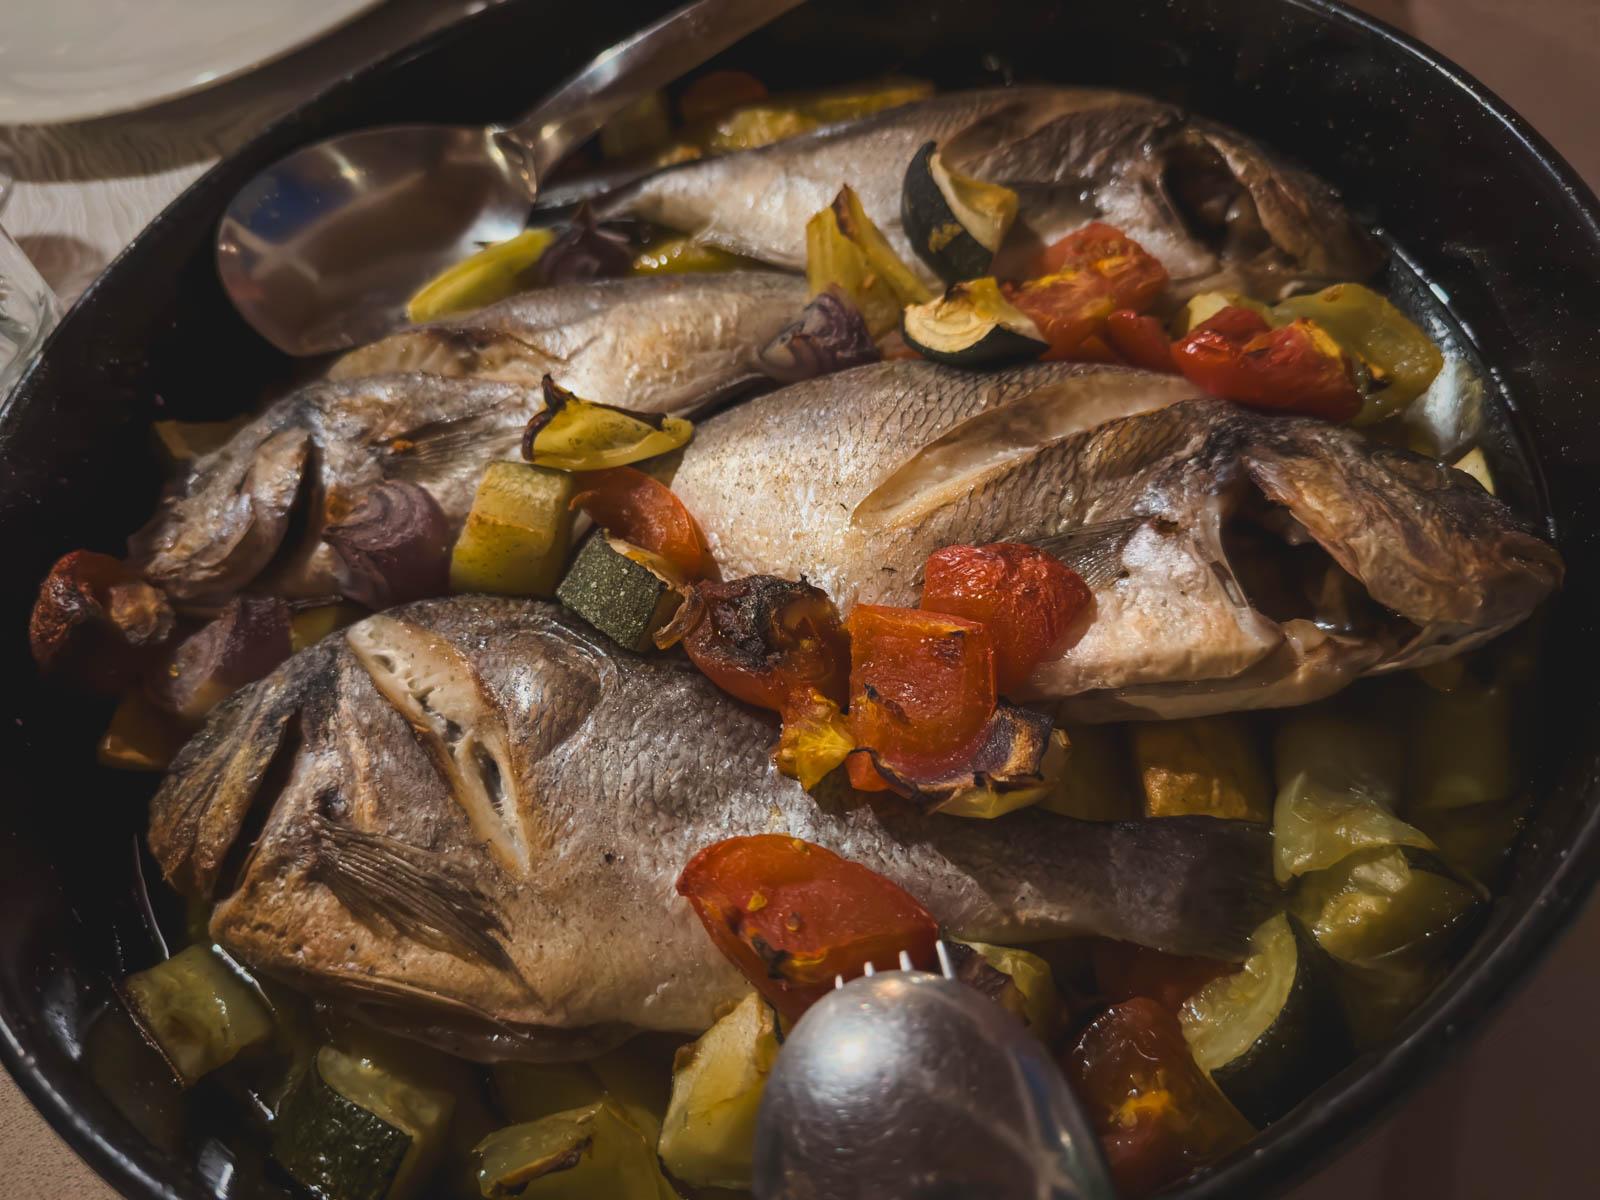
(1509, 1117)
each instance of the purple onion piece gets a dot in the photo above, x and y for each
(393, 545)
(244, 643)
(585, 252)
(829, 335)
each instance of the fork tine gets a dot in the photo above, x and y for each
(869, 970)
(943, 952)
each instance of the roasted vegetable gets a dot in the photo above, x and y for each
(1475, 839)
(1096, 781)
(1158, 1115)
(1399, 358)
(355, 1130)
(970, 325)
(584, 252)
(1271, 1032)
(589, 1153)
(792, 916)
(491, 274)
(197, 1010)
(1461, 747)
(710, 1127)
(678, 255)
(718, 92)
(184, 441)
(1025, 597)
(1139, 341)
(1202, 306)
(846, 253)
(515, 539)
(96, 624)
(580, 435)
(1124, 971)
(643, 126)
(1205, 765)
(609, 587)
(1028, 988)
(1389, 907)
(392, 543)
(1475, 464)
(643, 512)
(955, 222)
(790, 115)
(829, 335)
(1376, 999)
(309, 626)
(1339, 778)
(140, 736)
(244, 643)
(816, 738)
(528, 1091)
(1085, 277)
(1236, 354)
(881, 257)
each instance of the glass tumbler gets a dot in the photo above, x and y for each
(27, 305)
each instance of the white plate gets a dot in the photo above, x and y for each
(66, 60)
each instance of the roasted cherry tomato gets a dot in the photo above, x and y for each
(864, 775)
(1080, 281)
(1123, 971)
(1024, 596)
(717, 92)
(1158, 1115)
(1140, 341)
(628, 504)
(763, 639)
(922, 686)
(1297, 368)
(791, 916)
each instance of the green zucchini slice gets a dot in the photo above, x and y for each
(197, 1011)
(589, 1153)
(1272, 1031)
(970, 325)
(617, 594)
(351, 1130)
(955, 222)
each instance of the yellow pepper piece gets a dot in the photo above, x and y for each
(491, 274)
(573, 434)
(1206, 765)
(816, 739)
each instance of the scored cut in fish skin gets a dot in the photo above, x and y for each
(436, 404)
(852, 480)
(531, 911)
(664, 343)
(1214, 207)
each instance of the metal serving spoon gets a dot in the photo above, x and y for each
(910, 1085)
(322, 250)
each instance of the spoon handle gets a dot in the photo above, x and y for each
(650, 59)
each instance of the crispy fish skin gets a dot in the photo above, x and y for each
(852, 480)
(474, 813)
(1215, 208)
(659, 344)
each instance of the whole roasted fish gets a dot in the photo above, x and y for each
(472, 814)
(1215, 208)
(1238, 560)
(434, 404)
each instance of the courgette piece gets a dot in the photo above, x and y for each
(1461, 747)
(1096, 782)
(955, 222)
(970, 325)
(1339, 779)
(1208, 766)
(197, 1011)
(1475, 839)
(516, 537)
(491, 274)
(1031, 995)
(573, 434)
(1393, 906)
(710, 1127)
(353, 1131)
(589, 1153)
(1270, 1032)
(881, 258)
(618, 595)
(1375, 1000)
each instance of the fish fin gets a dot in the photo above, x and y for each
(415, 455)
(385, 882)
(1094, 551)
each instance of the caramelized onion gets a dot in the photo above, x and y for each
(393, 545)
(245, 642)
(829, 335)
(96, 624)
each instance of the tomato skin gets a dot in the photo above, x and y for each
(922, 686)
(792, 915)
(1025, 597)
(1296, 368)
(766, 640)
(1124, 971)
(864, 776)
(629, 504)
(1158, 1115)
(717, 92)
(1079, 282)
(1140, 341)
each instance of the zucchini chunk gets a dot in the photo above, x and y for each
(1030, 993)
(1208, 766)
(573, 434)
(970, 325)
(618, 594)
(1096, 783)
(351, 1130)
(197, 1011)
(1395, 905)
(709, 1132)
(517, 535)
(588, 1153)
(955, 222)
(1270, 1032)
